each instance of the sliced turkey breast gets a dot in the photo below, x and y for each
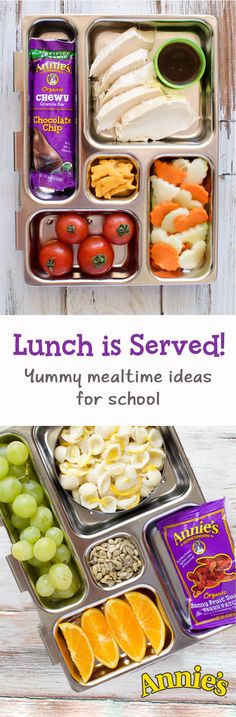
(113, 111)
(155, 119)
(143, 76)
(127, 63)
(126, 42)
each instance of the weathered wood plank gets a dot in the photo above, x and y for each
(71, 708)
(26, 668)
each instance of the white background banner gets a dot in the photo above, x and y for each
(118, 369)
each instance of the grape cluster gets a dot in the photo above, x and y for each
(41, 541)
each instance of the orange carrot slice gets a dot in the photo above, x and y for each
(198, 192)
(198, 215)
(166, 171)
(159, 212)
(162, 274)
(165, 256)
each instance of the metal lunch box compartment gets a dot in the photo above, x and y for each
(42, 229)
(102, 30)
(177, 482)
(201, 141)
(58, 28)
(24, 572)
(100, 672)
(205, 271)
(116, 200)
(83, 531)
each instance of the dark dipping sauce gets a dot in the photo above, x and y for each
(178, 63)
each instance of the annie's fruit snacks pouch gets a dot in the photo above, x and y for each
(201, 547)
(52, 114)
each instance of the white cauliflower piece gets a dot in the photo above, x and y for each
(181, 163)
(192, 235)
(160, 235)
(168, 222)
(192, 258)
(197, 171)
(163, 191)
(157, 235)
(184, 198)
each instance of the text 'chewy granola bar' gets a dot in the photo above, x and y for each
(201, 547)
(52, 114)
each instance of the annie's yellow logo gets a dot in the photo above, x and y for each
(184, 680)
(196, 531)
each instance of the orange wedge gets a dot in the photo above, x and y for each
(125, 628)
(149, 618)
(100, 637)
(79, 648)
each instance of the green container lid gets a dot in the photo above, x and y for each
(182, 41)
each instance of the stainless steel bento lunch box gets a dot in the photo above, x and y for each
(36, 217)
(85, 529)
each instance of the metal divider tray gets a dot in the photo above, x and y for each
(36, 217)
(83, 529)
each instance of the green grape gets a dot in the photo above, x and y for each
(33, 488)
(24, 505)
(44, 587)
(35, 563)
(43, 568)
(56, 534)
(3, 449)
(22, 550)
(17, 453)
(44, 549)
(18, 471)
(30, 534)
(63, 554)
(42, 519)
(19, 523)
(10, 488)
(4, 467)
(60, 576)
(64, 594)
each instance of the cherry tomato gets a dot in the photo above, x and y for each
(95, 255)
(119, 228)
(56, 258)
(72, 228)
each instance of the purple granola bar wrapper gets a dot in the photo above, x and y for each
(201, 547)
(52, 114)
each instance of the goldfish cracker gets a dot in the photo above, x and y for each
(112, 177)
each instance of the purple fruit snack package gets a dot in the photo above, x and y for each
(199, 542)
(52, 115)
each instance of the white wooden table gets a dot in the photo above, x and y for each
(17, 297)
(30, 686)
